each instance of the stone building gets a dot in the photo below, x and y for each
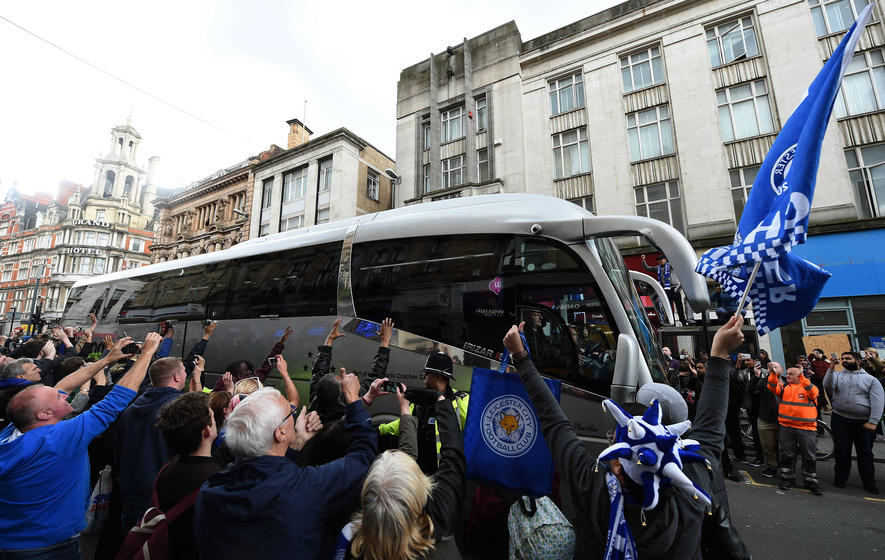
(330, 177)
(47, 244)
(664, 109)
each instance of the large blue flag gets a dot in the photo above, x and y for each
(776, 214)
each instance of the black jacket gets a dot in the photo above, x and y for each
(678, 527)
(328, 403)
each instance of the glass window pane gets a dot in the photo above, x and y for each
(873, 155)
(627, 81)
(585, 157)
(570, 161)
(631, 120)
(721, 97)
(569, 137)
(557, 164)
(725, 124)
(651, 143)
(860, 191)
(655, 51)
(657, 70)
(876, 57)
(640, 194)
(851, 159)
(750, 174)
(878, 177)
(642, 75)
(649, 116)
(760, 87)
(735, 177)
(745, 124)
(579, 95)
(639, 56)
(554, 106)
(750, 41)
(676, 214)
(859, 93)
(674, 189)
(633, 137)
(857, 62)
(656, 192)
(713, 50)
(566, 101)
(659, 211)
(766, 124)
(839, 15)
(741, 92)
(820, 28)
(666, 138)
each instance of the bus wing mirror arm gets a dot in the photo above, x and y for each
(631, 371)
(673, 244)
(668, 318)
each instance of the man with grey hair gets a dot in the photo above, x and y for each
(264, 504)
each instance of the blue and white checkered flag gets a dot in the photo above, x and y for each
(776, 214)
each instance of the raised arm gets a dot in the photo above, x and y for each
(135, 375)
(382, 358)
(322, 365)
(277, 349)
(200, 347)
(85, 373)
(291, 392)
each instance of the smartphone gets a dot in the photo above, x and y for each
(833, 356)
(863, 353)
(390, 386)
(272, 360)
(206, 322)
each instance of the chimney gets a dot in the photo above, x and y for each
(65, 190)
(298, 133)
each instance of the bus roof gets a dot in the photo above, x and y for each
(497, 213)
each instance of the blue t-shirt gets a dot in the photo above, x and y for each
(44, 475)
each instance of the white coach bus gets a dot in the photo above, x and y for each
(453, 275)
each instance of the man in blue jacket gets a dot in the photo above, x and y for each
(44, 465)
(264, 505)
(141, 450)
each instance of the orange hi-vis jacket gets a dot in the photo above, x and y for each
(797, 402)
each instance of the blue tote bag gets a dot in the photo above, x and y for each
(502, 436)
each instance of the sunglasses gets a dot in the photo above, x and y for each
(291, 413)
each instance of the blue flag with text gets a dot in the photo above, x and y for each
(776, 214)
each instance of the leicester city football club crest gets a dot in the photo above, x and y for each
(509, 426)
(780, 169)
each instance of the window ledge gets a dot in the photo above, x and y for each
(447, 142)
(867, 114)
(646, 160)
(758, 136)
(631, 92)
(575, 110)
(572, 176)
(737, 61)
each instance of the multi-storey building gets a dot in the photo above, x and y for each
(330, 177)
(664, 109)
(48, 244)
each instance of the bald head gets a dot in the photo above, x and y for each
(37, 405)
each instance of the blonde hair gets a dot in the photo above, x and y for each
(393, 523)
(872, 351)
(247, 386)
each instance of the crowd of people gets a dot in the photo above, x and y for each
(783, 407)
(243, 470)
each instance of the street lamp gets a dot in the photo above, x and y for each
(394, 181)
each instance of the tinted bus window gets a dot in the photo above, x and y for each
(294, 283)
(451, 289)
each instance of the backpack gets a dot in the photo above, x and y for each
(538, 530)
(149, 539)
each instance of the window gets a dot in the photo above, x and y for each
(28, 245)
(103, 239)
(451, 171)
(372, 185)
(100, 215)
(732, 41)
(452, 124)
(866, 169)
(89, 238)
(427, 178)
(134, 264)
(650, 133)
(13, 247)
(323, 215)
(325, 175)
(744, 111)
(481, 114)
(293, 222)
(863, 87)
(43, 241)
(425, 126)
(482, 164)
(266, 203)
(566, 94)
(85, 265)
(98, 266)
(642, 69)
(661, 202)
(37, 267)
(294, 185)
(23, 270)
(586, 203)
(6, 275)
(136, 245)
(835, 15)
(741, 182)
(571, 153)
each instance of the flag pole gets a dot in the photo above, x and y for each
(747, 290)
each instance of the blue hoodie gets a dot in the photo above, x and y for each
(44, 476)
(271, 508)
(141, 450)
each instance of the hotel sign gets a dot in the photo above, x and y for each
(95, 223)
(81, 251)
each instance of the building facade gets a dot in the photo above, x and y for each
(666, 110)
(47, 244)
(330, 177)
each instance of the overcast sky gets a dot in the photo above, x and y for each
(245, 68)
